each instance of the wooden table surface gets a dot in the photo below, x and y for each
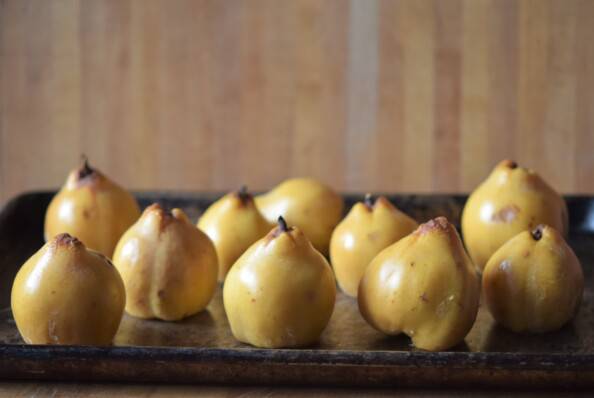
(16, 389)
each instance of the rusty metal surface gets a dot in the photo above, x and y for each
(202, 349)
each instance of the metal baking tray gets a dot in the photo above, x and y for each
(201, 349)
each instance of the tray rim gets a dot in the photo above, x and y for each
(416, 358)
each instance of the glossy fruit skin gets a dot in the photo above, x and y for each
(306, 203)
(280, 293)
(233, 223)
(425, 286)
(169, 266)
(94, 209)
(511, 200)
(363, 233)
(533, 285)
(66, 294)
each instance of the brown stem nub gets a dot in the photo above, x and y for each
(64, 239)
(243, 194)
(537, 232)
(85, 170)
(369, 201)
(512, 165)
(282, 224)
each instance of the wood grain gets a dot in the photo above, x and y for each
(389, 95)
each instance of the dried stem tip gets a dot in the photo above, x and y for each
(84, 170)
(282, 224)
(537, 232)
(243, 194)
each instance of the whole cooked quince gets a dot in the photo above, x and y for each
(424, 286)
(534, 282)
(370, 227)
(233, 223)
(169, 266)
(93, 208)
(280, 292)
(67, 294)
(511, 200)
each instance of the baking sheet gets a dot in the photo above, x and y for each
(350, 352)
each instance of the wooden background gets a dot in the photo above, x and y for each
(366, 95)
